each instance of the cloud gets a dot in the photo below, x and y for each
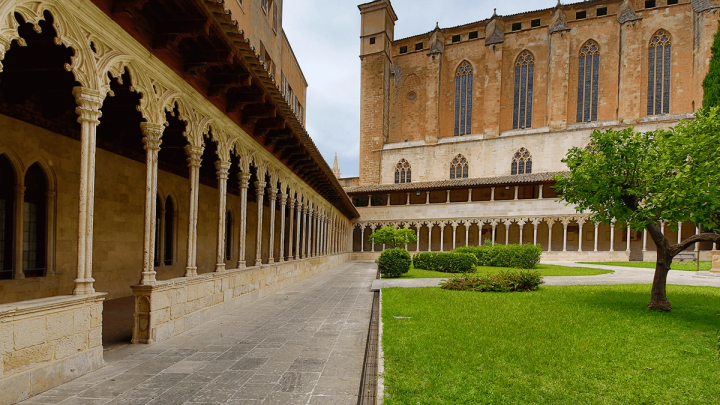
(325, 37)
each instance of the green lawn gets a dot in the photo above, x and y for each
(544, 269)
(684, 266)
(558, 345)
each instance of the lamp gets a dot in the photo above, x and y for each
(507, 187)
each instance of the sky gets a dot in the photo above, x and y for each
(325, 36)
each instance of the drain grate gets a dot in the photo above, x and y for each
(368, 383)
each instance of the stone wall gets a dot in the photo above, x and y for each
(171, 307)
(47, 342)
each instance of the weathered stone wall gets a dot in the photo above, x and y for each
(173, 306)
(47, 342)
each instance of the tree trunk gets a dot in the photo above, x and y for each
(658, 300)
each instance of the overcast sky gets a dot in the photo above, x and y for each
(325, 36)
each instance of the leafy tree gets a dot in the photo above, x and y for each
(643, 179)
(711, 84)
(393, 237)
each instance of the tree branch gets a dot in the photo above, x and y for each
(701, 237)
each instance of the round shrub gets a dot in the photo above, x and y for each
(394, 262)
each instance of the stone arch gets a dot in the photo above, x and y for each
(15, 162)
(46, 167)
(521, 162)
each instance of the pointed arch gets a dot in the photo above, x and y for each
(523, 95)
(459, 168)
(659, 63)
(588, 81)
(463, 98)
(403, 172)
(521, 162)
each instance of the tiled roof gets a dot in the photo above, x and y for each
(450, 184)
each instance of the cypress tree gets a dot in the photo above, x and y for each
(711, 84)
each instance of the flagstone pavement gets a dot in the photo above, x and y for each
(302, 345)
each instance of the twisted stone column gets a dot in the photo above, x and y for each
(152, 134)
(244, 184)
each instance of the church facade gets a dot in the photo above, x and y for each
(463, 128)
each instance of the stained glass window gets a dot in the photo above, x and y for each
(463, 99)
(588, 77)
(521, 163)
(659, 61)
(459, 168)
(523, 96)
(403, 172)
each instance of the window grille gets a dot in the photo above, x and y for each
(459, 168)
(524, 78)
(522, 162)
(403, 172)
(588, 77)
(659, 61)
(463, 99)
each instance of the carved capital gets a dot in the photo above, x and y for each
(89, 104)
(284, 199)
(194, 154)
(223, 169)
(260, 188)
(244, 180)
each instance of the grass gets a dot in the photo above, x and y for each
(684, 266)
(544, 269)
(558, 345)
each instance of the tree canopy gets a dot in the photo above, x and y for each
(711, 83)
(393, 237)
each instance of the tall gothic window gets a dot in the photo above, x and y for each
(521, 163)
(659, 60)
(523, 97)
(34, 222)
(169, 231)
(402, 172)
(7, 185)
(228, 236)
(459, 168)
(463, 99)
(588, 76)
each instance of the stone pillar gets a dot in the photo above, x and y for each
(260, 193)
(298, 224)
(679, 233)
(292, 203)
(507, 224)
(492, 193)
(565, 224)
(494, 227)
(223, 169)
(272, 194)
(370, 200)
(715, 261)
(633, 49)
(244, 184)
(644, 240)
(540, 193)
(470, 195)
(448, 196)
(627, 236)
(305, 219)
(517, 189)
(597, 228)
(454, 227)
(467, 233)
(492, 88)
(612, 236)
(442, 236)
(581, 222)
(362, 237)
(550, 223)
(418, 226)
(160, 248)
(408, 199)
(89, 103)
(535, 223)
(283, 204)
(372, 244)
(430, 227)
(427, 197)
(311, 231)
(521, 224)
(194, 160)
(151, 140)
(19, 222)
(558, 72)
(388, 200)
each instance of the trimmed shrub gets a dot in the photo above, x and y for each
(505, 281)
(515, 256)
(394, 262)
(445, 262)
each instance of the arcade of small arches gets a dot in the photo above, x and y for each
(555, 234)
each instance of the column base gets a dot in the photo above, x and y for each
(84, 286)
(220, 267)
(258, 263)
(271, 261)
(148, 278)
(191, 271)
(241, 264)
(715, 262)
(281, 260)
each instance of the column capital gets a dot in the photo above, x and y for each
(244, 179)
(223, 169)
(194, 154)
(284, 199)
(89, 104)
(260, 188)
(152, 135)
(273, 193)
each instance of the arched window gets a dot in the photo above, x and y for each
(7, 185)
(524, 79)
(588, 76)
(659, 61)
(228, 236)
(463, 99)
(522, 162)
(459, 168)
(402, 172)
(169, 231)
(34, 222)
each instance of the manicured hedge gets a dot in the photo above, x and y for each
(394, 262)
(505, 281)
(515, 256)
(445, 262)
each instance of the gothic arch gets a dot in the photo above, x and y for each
(588, 81)
(463, 98)
(15, 162)
(659, 73)
(403, 172)
(521, 162)
(523, 92)
(459, 167)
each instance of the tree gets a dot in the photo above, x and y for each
(393, 237)
(711, 83)
(642, 179)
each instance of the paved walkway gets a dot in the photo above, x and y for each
(621, 275)
(302, 345)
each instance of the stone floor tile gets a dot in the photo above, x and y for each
(249, 363)
(298, 382)
(333, 400)
(212, 396)
(315, 365)
(254, 391)
(286, 398)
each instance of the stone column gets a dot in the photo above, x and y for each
(370, 201)
(362, 237)
(388, 200)
(517, 189)
(19, 222)
(507, 224)
(260, 193)
(581, 222)
(565, 223)
(550, 222)
(430, 227)
(151, 140)
(292, 203)
(194, 160)
(160, 248)
(536, 223)
(470, 195)
(494, 228)
(372, 244)
(297, 255)
(679, 233)
(448, 197)
(427, 197)
(612, 236)
(492, 193)
(272, 195)
(467, 233)
(244, 184)
(89, 103)
(223, 169)
(283, 204)
(540, 193)
(521, 224)
(309, 232)
(627, 236)
(418, 226)
(442, 236)
(408, 199)
(454, 225)
(644, 240)
(597, 227)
